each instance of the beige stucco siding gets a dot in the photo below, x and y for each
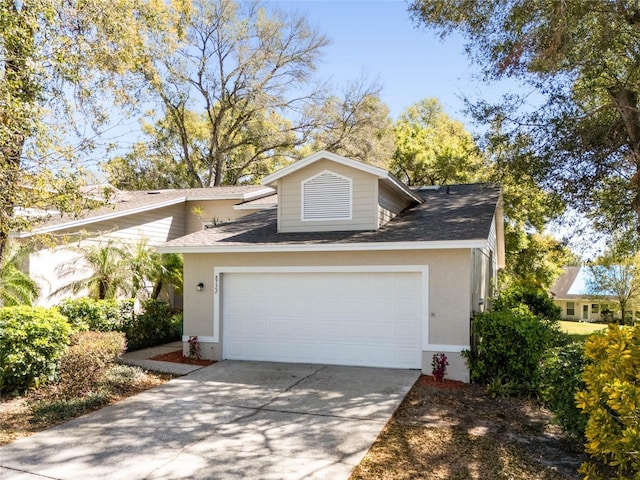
(449, 299)
(364, 200)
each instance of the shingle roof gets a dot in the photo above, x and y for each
(129, 202)
(574, 284)
(562, 285)
(456, 212)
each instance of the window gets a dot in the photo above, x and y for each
(571, 309)
(326, 196)
(595, 308)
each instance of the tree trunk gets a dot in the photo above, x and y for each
(18, 42)
(626, 102)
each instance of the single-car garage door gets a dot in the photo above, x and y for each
(343, 318)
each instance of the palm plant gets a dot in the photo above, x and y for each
(167, 273)
(142, 262)
(16, 287)
(103, 269)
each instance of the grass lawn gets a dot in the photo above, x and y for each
(581, 330)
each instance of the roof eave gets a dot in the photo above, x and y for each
(324, 247)
(99, 218)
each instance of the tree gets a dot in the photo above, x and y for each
(617, 277)
(16, 287)
(168, 158)
(243, 71)
(582, 57)
(55, 57)
(432, 148)
(534, 259)
(356, 125)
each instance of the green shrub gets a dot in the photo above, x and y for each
(86, 360)
(560, 380)
(537, 301)
(99, 315)
(157, 324)
(611, 401)
(507, 350)
(31, 341)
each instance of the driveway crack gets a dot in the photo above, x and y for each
(259, 408)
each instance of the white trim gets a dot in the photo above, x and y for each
(422, 269)
(324, 247)
(446, 348)
(325, 269)
(323, 154)
(302, 198)
(102, 218)
(246, 196)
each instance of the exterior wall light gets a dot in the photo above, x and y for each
(200, 287)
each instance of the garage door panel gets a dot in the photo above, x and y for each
(352, 318)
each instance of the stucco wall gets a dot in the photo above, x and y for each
(449, 292)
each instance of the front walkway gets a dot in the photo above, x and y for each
(140, 358)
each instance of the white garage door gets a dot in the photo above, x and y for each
(354, 318)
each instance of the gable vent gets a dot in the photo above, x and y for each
(326, 196)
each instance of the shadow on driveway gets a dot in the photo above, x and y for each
(232, 420)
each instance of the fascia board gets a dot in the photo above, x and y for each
(232, 196)
(101, 218)
(323, 154)
(324, 247)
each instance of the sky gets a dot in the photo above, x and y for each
(378, 39)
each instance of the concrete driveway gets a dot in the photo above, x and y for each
(232, 420)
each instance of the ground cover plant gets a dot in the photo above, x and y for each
(43, 408)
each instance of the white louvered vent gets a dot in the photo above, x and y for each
(327, 196)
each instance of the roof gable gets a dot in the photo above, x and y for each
(380, 173)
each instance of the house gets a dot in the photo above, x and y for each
(351, 268)
(131, 216)
(570, 292)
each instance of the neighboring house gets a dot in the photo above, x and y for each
(157, 216)
(352, 268)
(570, 293)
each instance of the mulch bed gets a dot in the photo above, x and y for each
(178, 357)
(453, 430)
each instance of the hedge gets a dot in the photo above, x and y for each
(31, 342)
